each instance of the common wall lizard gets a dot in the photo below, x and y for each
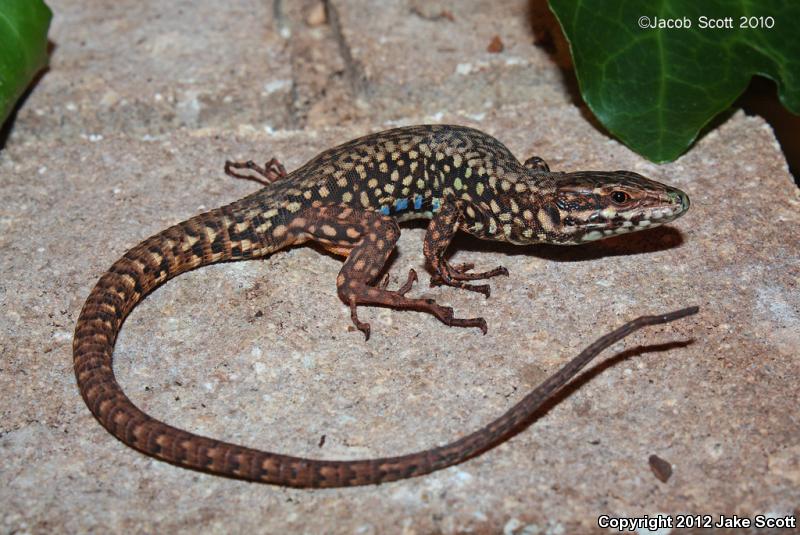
(350, 200)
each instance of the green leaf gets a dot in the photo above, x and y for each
(655, 88)
(23, 47)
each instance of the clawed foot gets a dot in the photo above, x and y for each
(445, 315)
(379, 295)
(456, 275)
(403, 290)
(273, 170)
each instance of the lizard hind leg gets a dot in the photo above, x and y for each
(273, 170)
(370, 238)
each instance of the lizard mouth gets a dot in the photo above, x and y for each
(609, 222)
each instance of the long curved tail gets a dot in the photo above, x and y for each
(228, 234)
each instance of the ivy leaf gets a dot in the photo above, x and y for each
(23, 47)
(656, 87)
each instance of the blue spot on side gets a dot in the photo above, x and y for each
(400, 204)
(384, 210)
(417, 202)
(436, 204)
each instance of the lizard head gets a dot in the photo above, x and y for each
(591, 205)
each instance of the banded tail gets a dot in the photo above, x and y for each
(227, 234)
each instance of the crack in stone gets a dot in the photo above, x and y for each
(354, 71)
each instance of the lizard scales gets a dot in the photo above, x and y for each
(350, 200)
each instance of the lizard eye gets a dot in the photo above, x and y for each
(620, 197)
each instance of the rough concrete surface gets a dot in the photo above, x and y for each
(127, 133)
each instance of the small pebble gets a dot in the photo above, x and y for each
(661, 468)
(496, 45)
(316, 15)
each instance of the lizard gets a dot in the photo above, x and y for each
(350, 199)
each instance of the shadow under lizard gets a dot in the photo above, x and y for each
(350, 199)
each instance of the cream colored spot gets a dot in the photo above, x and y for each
(479, 188)
(373, 182)
(407, 180)
(129, 281)
(470, 212)
(527, 233)
(592, 236)
(492, 226)
(468, 172)
(545, 221)
(279, 231)
(514, 206)
(383, 167)
(519, 187)
(352, 233)
(347, 196)
(388, 188)
(457, 184)
(507, 230)
(307, 194)
(527, 215)
(413, 166)
(420, 183)
(362, 172)
(324, 192)
(364, 199)
(505, 184)
(395, 176)
(413, 154)
(494, 206)
(293, 206)
(342, 182)
(505, 216)
(608, 213)
(457, 160)
(328, 230)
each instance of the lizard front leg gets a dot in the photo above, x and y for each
(442, 228)
(369, 238)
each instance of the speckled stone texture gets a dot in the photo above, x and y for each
(127, 133)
